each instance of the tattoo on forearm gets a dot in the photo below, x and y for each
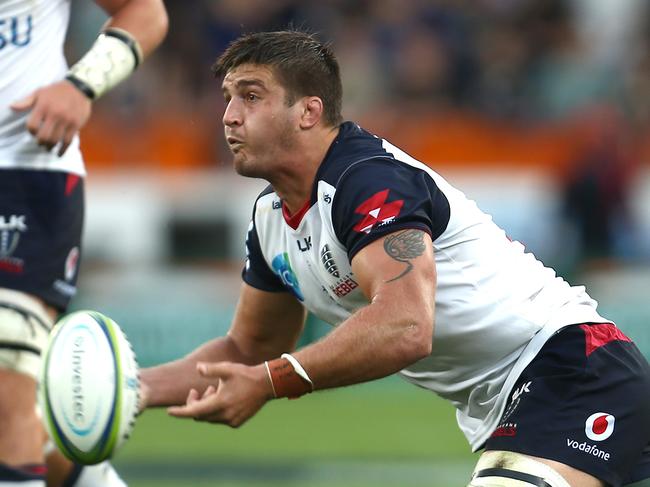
(403, 247)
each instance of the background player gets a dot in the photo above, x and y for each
(416, 279)
(43, 106)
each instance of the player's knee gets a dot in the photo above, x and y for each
(510, 469)
(24, 327)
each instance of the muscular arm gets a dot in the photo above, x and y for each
(397, 275)
(146, 20)
(265, 325)
(60, 110)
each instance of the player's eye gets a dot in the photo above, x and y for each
(251, 97)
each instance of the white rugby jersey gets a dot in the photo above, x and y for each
(32, 33)
(495, 305)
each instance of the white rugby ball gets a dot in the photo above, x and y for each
(89, 387)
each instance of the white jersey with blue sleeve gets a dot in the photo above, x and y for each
(495, 304)
(32, 33)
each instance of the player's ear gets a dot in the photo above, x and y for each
(312, 111)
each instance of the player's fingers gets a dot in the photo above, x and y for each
(192, 396)
(35, 121)
(24, 103)
(214, 369)
(209, 391)
(67, 140)
(55, 136)
(198, 409)
(46, 135)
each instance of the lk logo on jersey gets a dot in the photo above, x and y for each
(377, 210)
(282, 268)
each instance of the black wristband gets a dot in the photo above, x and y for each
(128, 40)
(81, 86)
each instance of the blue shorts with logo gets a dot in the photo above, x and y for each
(41, 221)
(583, 401)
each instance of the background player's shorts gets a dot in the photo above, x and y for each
(41, 220)
(24, 329)
(583, 401)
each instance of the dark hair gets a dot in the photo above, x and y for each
(303, 65)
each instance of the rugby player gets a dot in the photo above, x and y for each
(415, 279)
(43, 105)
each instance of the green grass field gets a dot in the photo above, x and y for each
(382, 434)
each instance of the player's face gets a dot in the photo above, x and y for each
(260, 127)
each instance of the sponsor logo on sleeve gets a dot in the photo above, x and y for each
(377, 211)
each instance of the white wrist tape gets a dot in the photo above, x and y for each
(268, 371)
(298, 368)
(111, 59)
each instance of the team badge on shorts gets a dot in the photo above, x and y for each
(11, 228)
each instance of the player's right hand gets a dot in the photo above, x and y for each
(58, 111)
(238, 392)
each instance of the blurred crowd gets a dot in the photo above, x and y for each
(511, 61)
(560, 84)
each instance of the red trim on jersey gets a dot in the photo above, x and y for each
(294, 220)
(71, 183)
(601, 334)
(34, 469)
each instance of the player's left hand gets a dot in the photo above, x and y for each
(239, 391)
(58, 111)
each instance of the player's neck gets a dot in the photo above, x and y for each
(295, 184)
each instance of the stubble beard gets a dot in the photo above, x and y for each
(269, 155)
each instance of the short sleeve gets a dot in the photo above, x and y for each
(380, 196)
(256, 271)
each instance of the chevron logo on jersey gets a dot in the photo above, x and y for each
(377, 211)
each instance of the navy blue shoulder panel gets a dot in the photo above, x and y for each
(379, 196)
(352, 144)
(256, 272)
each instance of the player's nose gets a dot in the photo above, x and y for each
(232, 115)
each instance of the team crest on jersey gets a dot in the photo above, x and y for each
(10, 230)
(282, 268)
(328, 261)
(377, 211)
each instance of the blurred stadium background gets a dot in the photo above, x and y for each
(537, 109)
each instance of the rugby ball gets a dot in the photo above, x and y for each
(89, 387)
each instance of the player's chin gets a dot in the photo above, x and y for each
(245, 167)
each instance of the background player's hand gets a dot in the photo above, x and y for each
(58, 111)
(239, 391)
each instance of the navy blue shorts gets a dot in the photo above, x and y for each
(583, 401)
(41, 220)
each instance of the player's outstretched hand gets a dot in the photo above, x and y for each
(58, 111)
(237, 393)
